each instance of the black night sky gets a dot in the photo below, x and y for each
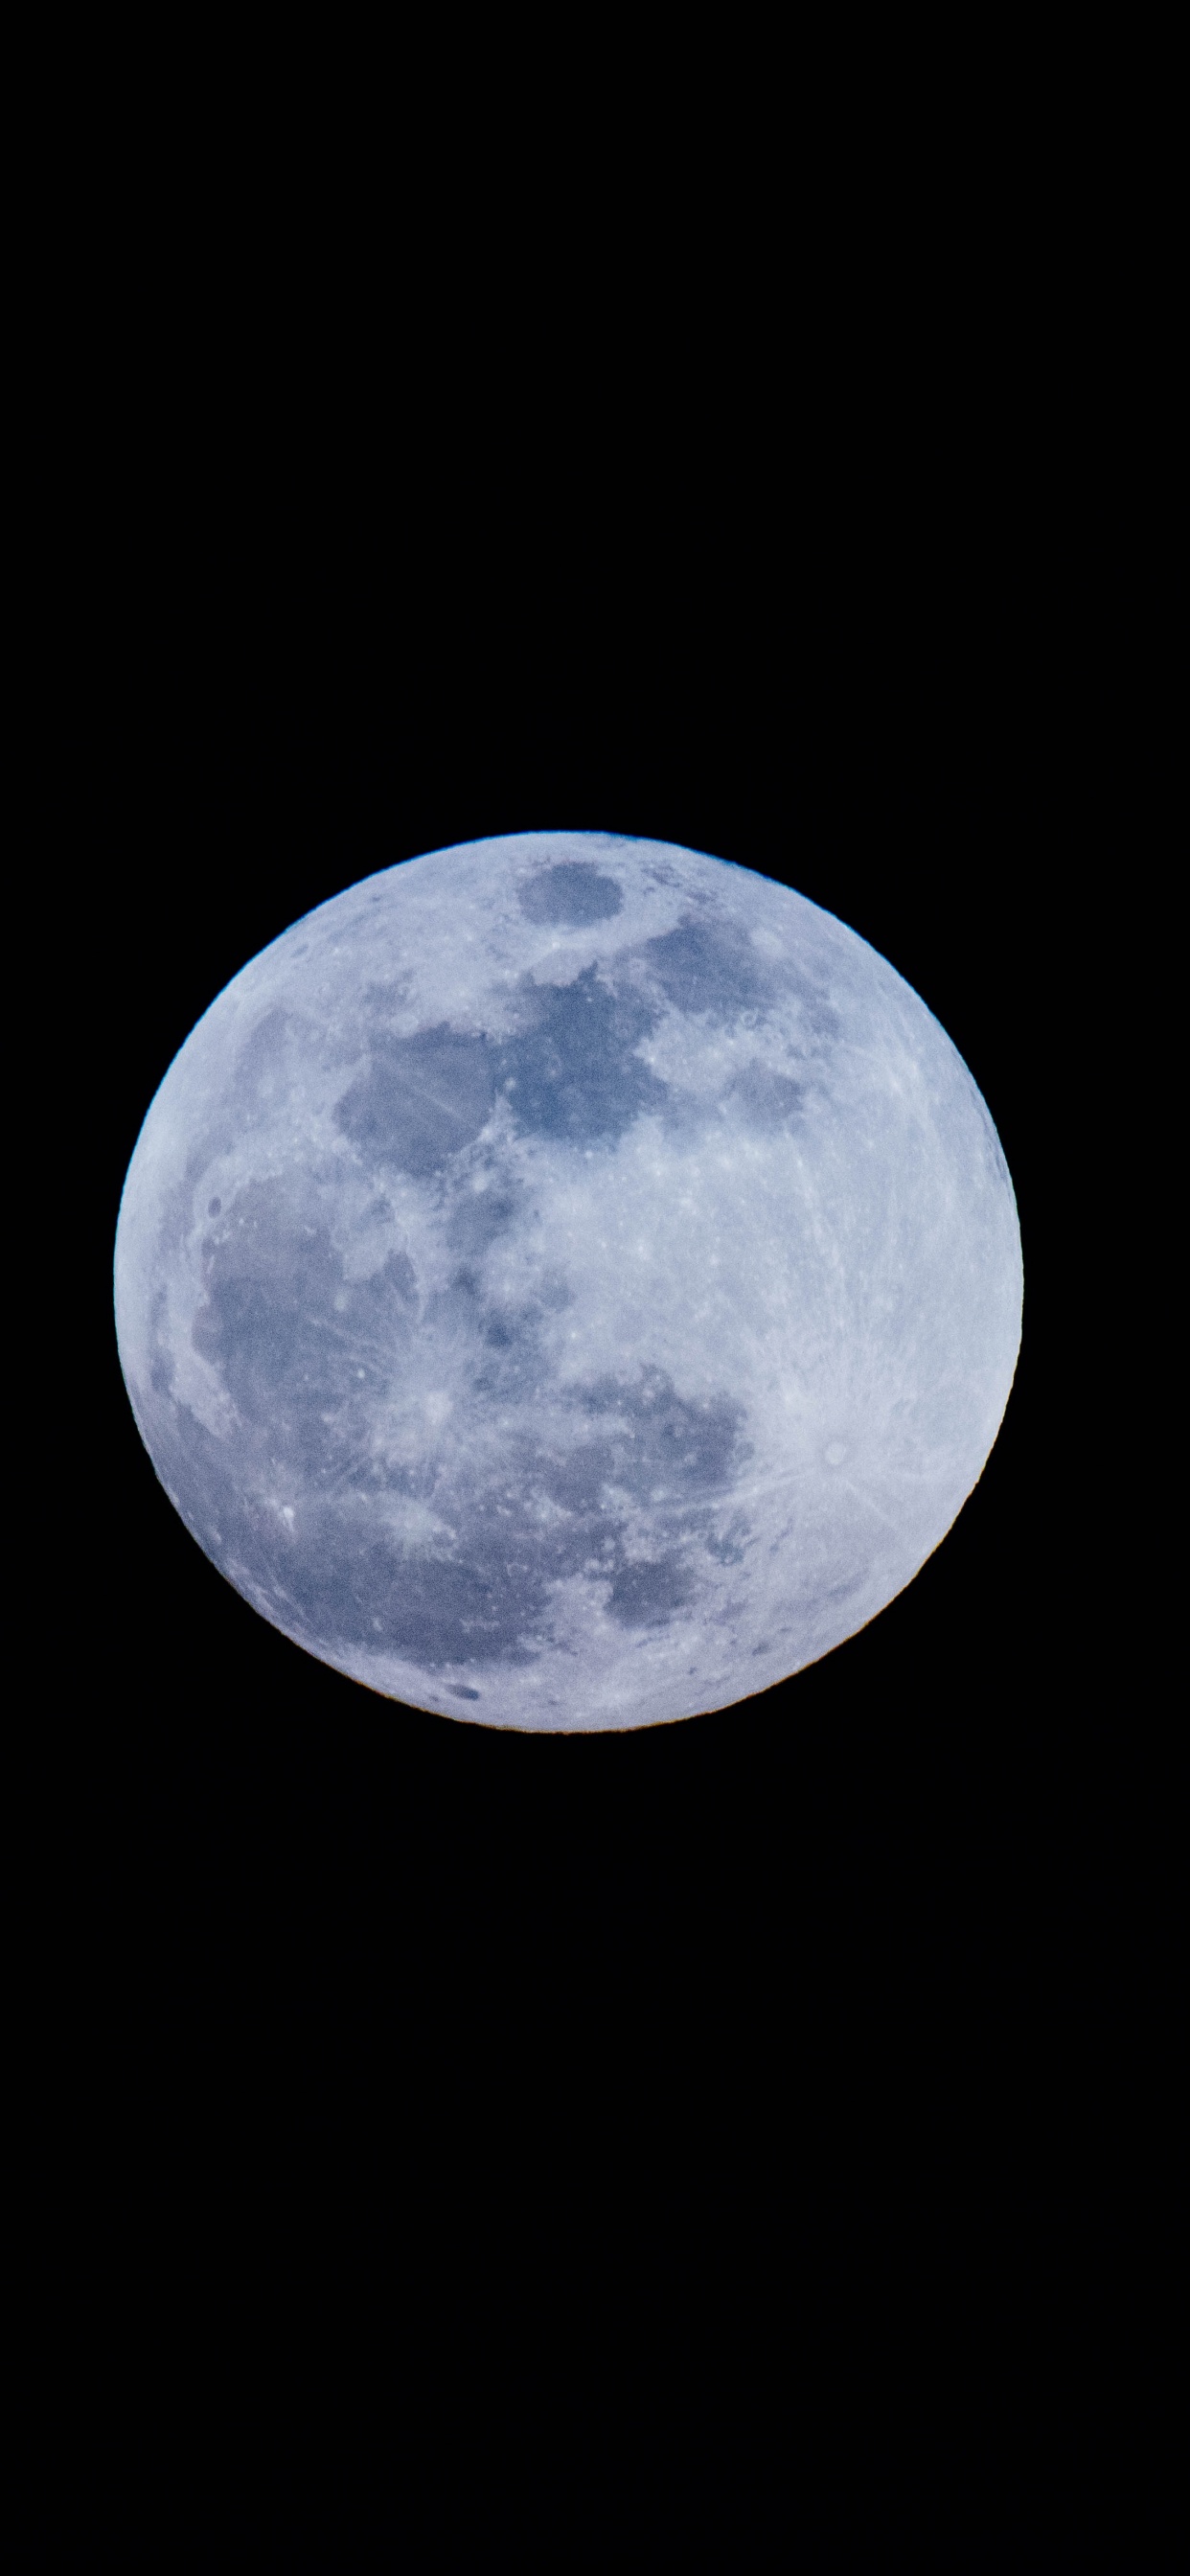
(549, 2081)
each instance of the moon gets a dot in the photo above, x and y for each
(568, 1282)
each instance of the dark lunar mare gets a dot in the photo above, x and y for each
(569, 1069)
(710, 968)
(624, 1485)
(572, 1071)
(301, 1351)
(571, 895)
(421, 1100)
(768, 1100)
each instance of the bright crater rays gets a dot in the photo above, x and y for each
(568, 1282)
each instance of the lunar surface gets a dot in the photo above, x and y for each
(568, 1282)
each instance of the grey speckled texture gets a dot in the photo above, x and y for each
(568, 1282)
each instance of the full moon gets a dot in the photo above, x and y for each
(568, 1282)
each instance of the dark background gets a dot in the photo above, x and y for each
(646, 2118)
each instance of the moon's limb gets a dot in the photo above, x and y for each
(568, 1281)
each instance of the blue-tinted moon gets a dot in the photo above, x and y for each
(568, 1282)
